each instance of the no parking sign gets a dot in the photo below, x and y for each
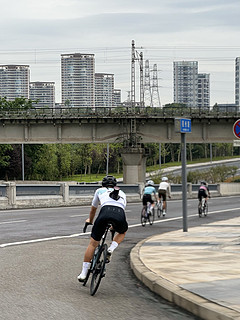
(236, 129)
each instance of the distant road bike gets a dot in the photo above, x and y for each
(202, 207)
(98, 263)
(147, 215)
(159, 208)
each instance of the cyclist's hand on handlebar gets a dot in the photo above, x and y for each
(87, 223)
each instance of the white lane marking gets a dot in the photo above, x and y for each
(30, 211)
(13, 221)
(79, 215)
(87, 233)
(41, 240)
(224, 210)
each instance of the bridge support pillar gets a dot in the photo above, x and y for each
(134, 165)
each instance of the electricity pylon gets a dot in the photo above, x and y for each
(147, 86)
(155, 92)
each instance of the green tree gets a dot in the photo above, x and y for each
(4, 159)
(47, 165)
(17, 103)
(63, 152)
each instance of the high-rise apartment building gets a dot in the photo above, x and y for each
(44, 93)
(203, 90)
(14, 81)
(186, 82)
(104, 89)
(117, 100)
(237, 81)
(78, 80)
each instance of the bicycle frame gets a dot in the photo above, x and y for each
(147, 214)
(148, 207)
(202, 207)
(99, 247)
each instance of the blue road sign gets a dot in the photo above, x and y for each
(236, 129)
(185, 125)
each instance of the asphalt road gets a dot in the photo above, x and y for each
(41, 252)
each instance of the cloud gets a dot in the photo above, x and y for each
(37, 32)
(122, 23)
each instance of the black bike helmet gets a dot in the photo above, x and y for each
(204, 183)
(109, 181)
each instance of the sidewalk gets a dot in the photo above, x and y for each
(198, 270)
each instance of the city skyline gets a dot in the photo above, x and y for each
(38, 33)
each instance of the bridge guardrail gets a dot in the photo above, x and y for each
(119, 111)
(13, 195)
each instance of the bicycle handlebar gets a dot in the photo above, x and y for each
(86, 225)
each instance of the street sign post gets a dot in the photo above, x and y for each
(236, 129)
(183, 126)
(236, 143)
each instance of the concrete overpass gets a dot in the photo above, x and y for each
(112, 125)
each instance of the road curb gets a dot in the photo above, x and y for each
(189, 301)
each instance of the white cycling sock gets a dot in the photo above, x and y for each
(86, 266)
(113, 246)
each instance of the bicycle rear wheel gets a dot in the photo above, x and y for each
(151, 216)
(99, 270)
(159, 210)
(206, 209)
(143, 216)
(88, 275)
(200, 209)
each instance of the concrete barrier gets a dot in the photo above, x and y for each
(14, 195)
(227, 189)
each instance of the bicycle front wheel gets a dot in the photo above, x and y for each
(99, 270)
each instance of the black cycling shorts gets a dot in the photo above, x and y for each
(109, 214)
(147, 198)
(162, 193)
(202, 193)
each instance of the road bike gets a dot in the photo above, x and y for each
(147, 214)
(98, 264)
(202, 207)
(159, 208)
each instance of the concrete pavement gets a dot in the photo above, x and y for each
(198, 270)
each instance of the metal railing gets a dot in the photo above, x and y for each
(138, 112)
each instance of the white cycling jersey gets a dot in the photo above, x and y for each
(164, 186)
(102, 197)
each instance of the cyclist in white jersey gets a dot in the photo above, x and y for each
(113, 204)
(163, 191)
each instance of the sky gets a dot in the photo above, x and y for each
(36, 33)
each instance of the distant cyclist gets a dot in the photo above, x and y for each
(203, 191)
(148, 191)
(164, 190)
